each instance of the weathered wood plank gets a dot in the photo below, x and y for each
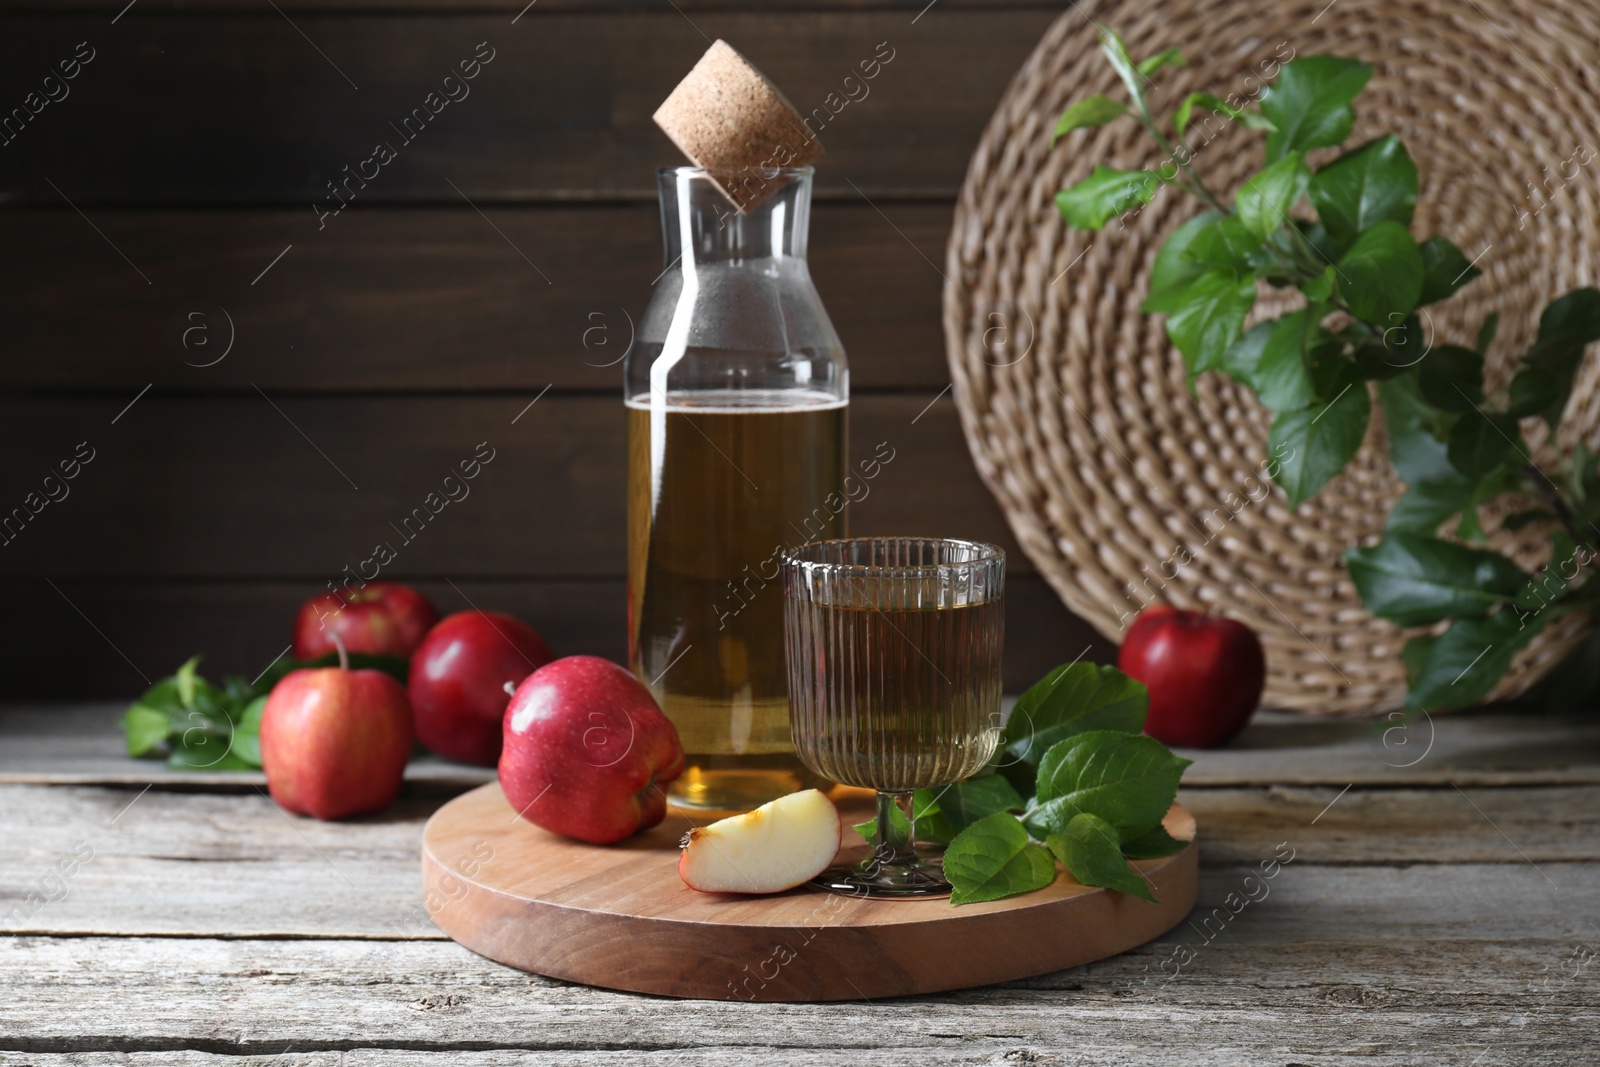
(1482, 748)
(424, 299)
(1448, 1047)
(217, 487)
(79, 743)
(57, 653)
(1267, 989)
(243, 868)
(561, 111)
(1440, 825)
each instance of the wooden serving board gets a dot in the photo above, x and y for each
(620, 917)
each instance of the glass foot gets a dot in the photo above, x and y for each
(863, 872)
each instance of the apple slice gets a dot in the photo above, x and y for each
(775, 847)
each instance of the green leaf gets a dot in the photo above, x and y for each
(204, 742)
(1173, 270)
(1466, 661)
(247, 735)
(1415, 580)
(1207, 317)
(1418, 455)
(965, 803)
(1380, 276)
(1318, 441)
(1572, 317)
(1566, 328)
(1486, 332)
(164, 694)
(1071, 700)
(1451, 378)
(1405, 345)
(1533, 392)
(1281, 380)
(1161, 60)
(1226, 244)
(924, 808)
(1097, 110)
(1319, 288)
(1375, 362)
(208, 756)
(1243, 357)
(1426, 505)
(1157, 844)
(993, 858)
(1128, 780)
(1580, 476)
(1371, 184)
(184, 678)
(1089, 849)
(1310, 103)
(1264, 201)
(1091, 203)
(1553, 581)
(1414, 656)
(1327, 248)
(1117, 52)
(1250, 120)
(145, 728)
(1481, 442)
(1444, 270)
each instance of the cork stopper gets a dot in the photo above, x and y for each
(726, 114)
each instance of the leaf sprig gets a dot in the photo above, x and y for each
(196, 725)
(1099, 790)
(1363, 279)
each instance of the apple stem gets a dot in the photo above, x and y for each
(344, 656)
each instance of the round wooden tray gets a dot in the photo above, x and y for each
(620, 917)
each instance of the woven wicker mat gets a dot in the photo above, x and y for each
(1109, 469)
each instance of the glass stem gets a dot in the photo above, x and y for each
(897, 837)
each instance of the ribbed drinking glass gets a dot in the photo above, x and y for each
(893, 649)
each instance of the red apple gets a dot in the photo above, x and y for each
(334, 742)
(380, 619)
(1204, 674)
(459, 676)
(588, 754)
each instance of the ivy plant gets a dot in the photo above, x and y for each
(1340, 233)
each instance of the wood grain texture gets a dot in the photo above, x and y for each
(245, 869)
(1400, 954)
(621, 918)
(1256, 994)
(1446, 1046)
(70, 641)
(215, 487)
(417, 299)
(561, 112)
(1528, 761)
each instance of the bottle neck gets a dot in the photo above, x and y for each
(702, 225)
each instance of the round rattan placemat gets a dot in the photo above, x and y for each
(1120, 483)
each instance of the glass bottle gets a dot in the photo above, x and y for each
(737, 396)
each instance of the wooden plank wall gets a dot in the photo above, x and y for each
(184, 170)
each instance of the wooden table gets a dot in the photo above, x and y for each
(1442, 906)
